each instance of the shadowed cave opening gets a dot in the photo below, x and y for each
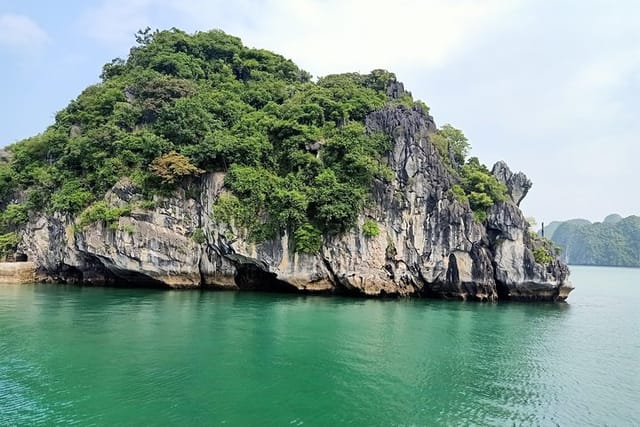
(502, 290)
(125, 279)
(251, 277)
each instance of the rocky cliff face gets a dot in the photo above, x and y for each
(429, 242)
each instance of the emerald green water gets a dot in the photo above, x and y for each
(90, 356)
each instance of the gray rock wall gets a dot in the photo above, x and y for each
(429, 243)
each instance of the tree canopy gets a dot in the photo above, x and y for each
(296, 153)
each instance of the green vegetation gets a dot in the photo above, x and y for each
(13, 216)
(128, 228)
(542, 255)
(370, 229)
(613, 242)
(8, 243)
(183, 104)
(228, 209)
(481, 188)
(476, 185)
(451, 143)
(297, 155)
(459, 194)
(172, 167)
(102, 212)
(198, 236)
(307, 239)
(71, 197)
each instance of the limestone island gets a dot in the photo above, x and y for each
(198, 162)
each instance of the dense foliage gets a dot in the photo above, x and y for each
(542, 255)
(614, 242)
(184, 104)
(452, 144)
(296, 154)
(476, 185)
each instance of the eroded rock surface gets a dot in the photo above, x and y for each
(429, 242)
(518, 185)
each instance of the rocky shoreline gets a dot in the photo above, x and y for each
(429, 245)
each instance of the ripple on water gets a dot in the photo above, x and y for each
(118, 356)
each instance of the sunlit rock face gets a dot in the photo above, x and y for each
(429, 244)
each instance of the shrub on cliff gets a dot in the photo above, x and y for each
(8, 243)
(370, 229)
(476, 185)
(452, 143)
(481, 187)
(172, 167)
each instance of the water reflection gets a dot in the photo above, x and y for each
(113, 356)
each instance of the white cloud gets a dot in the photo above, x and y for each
(115, 22)
(336, 35)
(323, 36)
(595, 85)
(21, 32)
(553, 97)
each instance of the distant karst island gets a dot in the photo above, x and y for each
(198, 162)
(613, 242)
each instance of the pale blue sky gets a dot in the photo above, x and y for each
(549, 86)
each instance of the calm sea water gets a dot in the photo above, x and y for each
(89, 356)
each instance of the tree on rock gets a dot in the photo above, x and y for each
(173, 166)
